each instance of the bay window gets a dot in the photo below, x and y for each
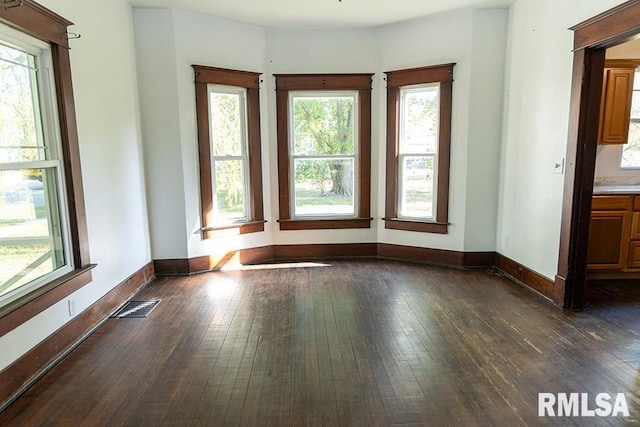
(324, 150)
(418, 146)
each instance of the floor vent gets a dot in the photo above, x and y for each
(136, 309)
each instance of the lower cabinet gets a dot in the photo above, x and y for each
(608, 240)
(614, 233)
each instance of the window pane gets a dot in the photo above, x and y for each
(20, 122)
(635, 104)
(419, 122)
(226, 124)
(323, 125)
(230, 189)
(30, 232)
(631, 150)
(417, 187)
(324, 187)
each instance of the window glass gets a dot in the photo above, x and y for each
(32, 221)
(227, 108)
(631, 150)
(418, 144)
(323, 154)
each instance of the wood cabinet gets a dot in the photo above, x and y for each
(615, 107)
(614, 234)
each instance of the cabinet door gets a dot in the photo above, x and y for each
(608, 240)
(615, 109)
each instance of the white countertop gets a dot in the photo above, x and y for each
(616, 189)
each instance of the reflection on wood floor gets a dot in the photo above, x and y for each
(358, 342)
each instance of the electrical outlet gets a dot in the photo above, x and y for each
(72, 307)
(505, 241)
(558, 166)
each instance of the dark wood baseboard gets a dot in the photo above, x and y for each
(20, 375)
(436, 256)
(182, 267)
(525, 276)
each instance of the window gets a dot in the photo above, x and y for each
(418, 145)
(43, 238)
(228, 116)
(324, 146)
(631, 150)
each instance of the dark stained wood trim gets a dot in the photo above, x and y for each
(608, 28)
(422, 255)
(288, 82)
(37, 21)
(393, 115)
(525, 276)
(12, 316)
(284, 183)
(240, 228)
(478, 259)
(225, 76)
(420, 75)
(418, 226)
(364, 152)
(324, 224)
(295, 252)
(250, 81)
(442, 74)
(591, 39)
(71, 157)
(16, 378)
(323, 251)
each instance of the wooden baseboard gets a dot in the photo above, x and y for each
(20, 375)
(182, 267)
(525, 276)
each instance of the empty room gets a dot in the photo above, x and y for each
(333, 212)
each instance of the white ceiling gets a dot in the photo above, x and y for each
(319, 13)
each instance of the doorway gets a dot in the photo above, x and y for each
(591, 39)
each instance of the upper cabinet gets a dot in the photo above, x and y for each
(615, 108)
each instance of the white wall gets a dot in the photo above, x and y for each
(537, 94)
(104, 80)
(196, 41)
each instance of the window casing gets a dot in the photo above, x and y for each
(324, 150)
(418, 147)
(40, 167)
(228, 119)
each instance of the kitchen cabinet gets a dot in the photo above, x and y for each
(615, 107)
(614, 233)
(609, 232)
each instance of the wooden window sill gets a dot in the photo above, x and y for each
(240, 228)
(414, 225)
(324, 224)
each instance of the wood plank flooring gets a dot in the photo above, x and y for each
(358, 342)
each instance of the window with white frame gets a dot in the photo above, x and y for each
(229, 158)
(630, 157)
(323, 154)
(34, 230)
(417, 153)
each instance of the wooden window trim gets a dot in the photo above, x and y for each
(329, 82)
(442, 74)
(251, 82)
(37, 21)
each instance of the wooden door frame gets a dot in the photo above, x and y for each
(591, 39)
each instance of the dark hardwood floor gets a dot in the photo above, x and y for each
(359, 342)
